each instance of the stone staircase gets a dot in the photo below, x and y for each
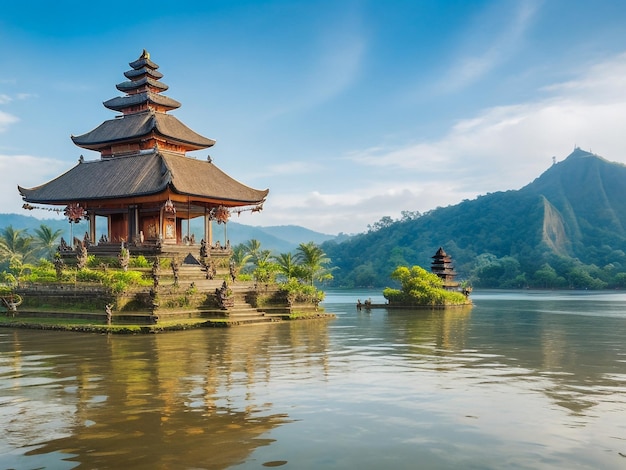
(241, 312)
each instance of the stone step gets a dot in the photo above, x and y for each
(244, 313)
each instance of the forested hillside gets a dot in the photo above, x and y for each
(566, 229)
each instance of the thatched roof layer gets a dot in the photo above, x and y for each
(121, 102)
(136, 126)
(142, 175)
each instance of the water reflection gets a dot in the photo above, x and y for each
(157, 401)
(521, 380)
(574, 363)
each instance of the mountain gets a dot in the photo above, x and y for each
(570, 221)
(30, 223)
(280, 239)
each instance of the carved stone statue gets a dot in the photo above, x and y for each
(156, 273)
(81, 255)
(175, 269)
(109, 313)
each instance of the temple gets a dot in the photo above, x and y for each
(146, 189)
(442, 267)
(144, 184)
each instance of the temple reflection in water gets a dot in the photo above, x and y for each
(167, 399)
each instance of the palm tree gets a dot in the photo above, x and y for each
(314, 263)
(240, 256)
(253, 247)
(46, 241)
(265, 268)
(287, 265)
(15, 245)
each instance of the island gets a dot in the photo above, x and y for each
(422, 289)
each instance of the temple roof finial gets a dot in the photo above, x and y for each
(145, 55)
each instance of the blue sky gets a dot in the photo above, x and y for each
(347, 110)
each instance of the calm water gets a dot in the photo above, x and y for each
(522, 380)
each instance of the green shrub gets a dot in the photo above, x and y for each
(89, 275)
(119, 281)
(298, 292)
(420, 287)
(7, 278)
(45, 264)
(139, 262)
(118, 287)
(5, 290)
(43, 272)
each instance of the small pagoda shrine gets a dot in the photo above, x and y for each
(144, 184)
(442, 267)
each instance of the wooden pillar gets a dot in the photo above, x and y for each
(160, 233)
(208, 228)
(92, 227)
(132, 223)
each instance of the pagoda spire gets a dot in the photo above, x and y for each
(144, 123)
(442, 267)
(142, 89)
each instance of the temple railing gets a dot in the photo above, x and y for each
(113, 249)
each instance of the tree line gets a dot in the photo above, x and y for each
(19, 246)
(308, 264)
(503, 253)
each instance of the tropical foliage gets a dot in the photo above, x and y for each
(420, 287)
(26, 258)
(296, 273)
(17, 245)
(46, 241)
(44, 271)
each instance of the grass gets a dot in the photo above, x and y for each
(87, 325)
(47, 321)
(297, 315)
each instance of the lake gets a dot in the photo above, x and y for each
(525, 380)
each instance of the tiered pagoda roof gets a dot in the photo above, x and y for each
(143, 156)
(144, 120)
(442, 267)
(151, 173)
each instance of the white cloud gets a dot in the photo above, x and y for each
(505, 147)
(26, 96)
(6, 120)
(498, 149)
(5, 99)
(351, 211)
(26, 171)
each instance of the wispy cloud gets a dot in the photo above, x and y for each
(26, 96)
(294, 168)
(352, 209)
(480, 57)
(335, 64)
(338, 64)
(6, 120)
(499, 148)
(12, 168)
(5, 99)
